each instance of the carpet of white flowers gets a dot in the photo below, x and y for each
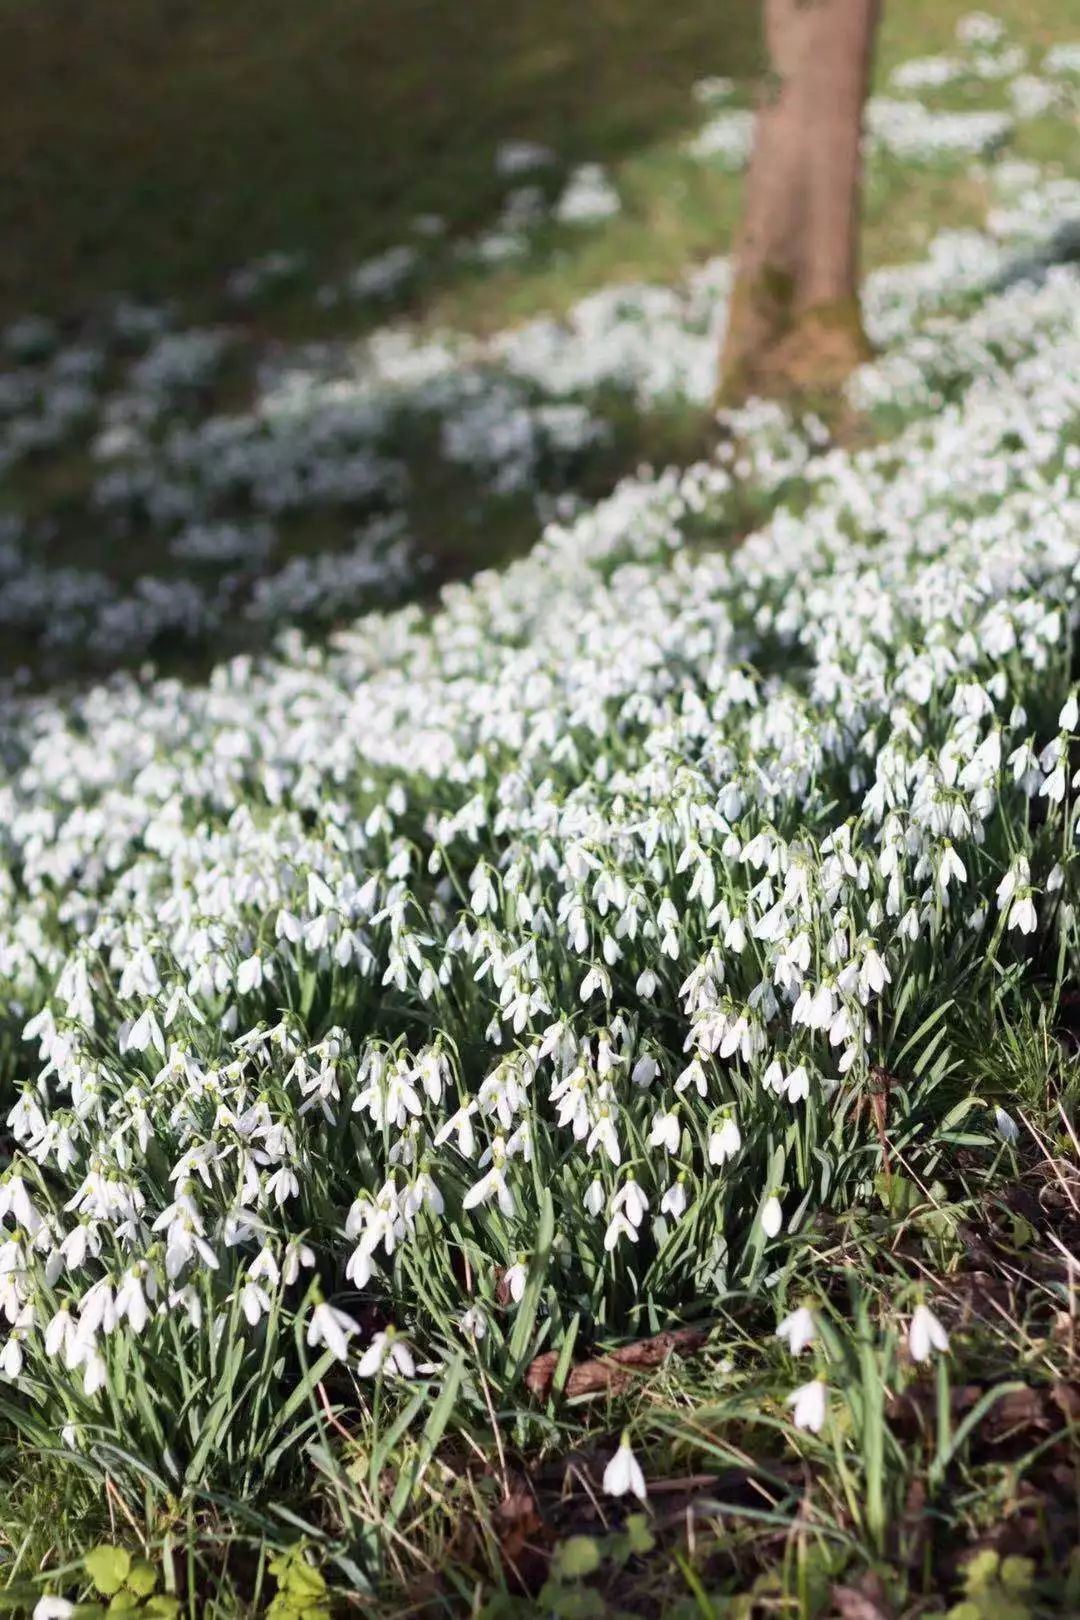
(542, 953)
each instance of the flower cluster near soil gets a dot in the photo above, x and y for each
(568, 960)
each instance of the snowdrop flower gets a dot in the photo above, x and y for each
(925, 1334)
(673, 1202)
(603, 1134)
(249, 975)
(619, 1227)
(772, 1216)
(331, 1327)
(11, 1357)
(666, 1131)
(594, 1196)
(631, 1200)
(387, 1352)
(644, 1071)
(724, 1142)
(255, 1302)
(799, 1329)
(809, 1402)
(623, 1473)
(515, 1278)
(798, 1083)
(53, 1608)
(950, 866)
(1007, 1126)
(491, 1185)
(1022, 914)
(473, 1324)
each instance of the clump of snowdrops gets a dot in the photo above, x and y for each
(531, 972)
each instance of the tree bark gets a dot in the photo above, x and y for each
(794, 321)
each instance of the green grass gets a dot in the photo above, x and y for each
(152, 148)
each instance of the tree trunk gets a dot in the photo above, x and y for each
(794, 321)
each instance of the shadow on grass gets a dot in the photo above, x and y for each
(150, 149)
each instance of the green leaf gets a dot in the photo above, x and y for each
(573, 1602)
(522, 1333)
(162, 1607)
(981, 1571)
(124, 1602)
(638, 1534)
(141, 1578)
(304, 1584)
(108, 1568)
(897, 1194)
(575, 1558)
(434, 1429)
(1017, 1573)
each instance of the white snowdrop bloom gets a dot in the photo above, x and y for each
(255, 1302)
(473, 1324)
(1022, 914)
(1070, 712)
(249, 974)
(810, 1404)
(142, 1034)
(95, 1372)
(644, 1071)
(774, 1078)
(60, 1332)
(674, 1200)
(588, 196)
(772, 1216)
(460, 1125)
(925, 1334)
(603, 1134)
(1017, 876)
(595, 1197)
(11, 1356)
(53, 1608)
(15, 1200)
(515, 1278)
(724, 1142)
(797, 1085)
(1006, 1125)
(491, 1185)
(131, 1297)
(799, 1329)
(623, 1473)
(693, 1075)
(647, 983)
(619, 1227)
(665, 1131)
(1053, 787)
(387, 1353)
(950, 866)
(330, 1327)
(631, 1201)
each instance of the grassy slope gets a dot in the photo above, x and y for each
(155, 147)
(151, 149)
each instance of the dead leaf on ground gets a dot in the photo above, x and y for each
(863, 1600)
(614, 1372)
